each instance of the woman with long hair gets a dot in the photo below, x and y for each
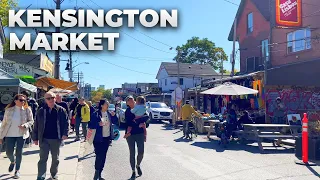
(17, 120)
(102, 121)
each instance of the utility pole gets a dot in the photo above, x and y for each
(234, 46)
(57, 53)
(222, 70)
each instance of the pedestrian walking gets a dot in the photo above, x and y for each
(136, 137)
(92, 110)
(82, 115)
(32, 103)
(50, 128)
(102, 121)
(73, 106)
(65, 106)
(17, 120)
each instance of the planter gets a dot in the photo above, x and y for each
(314, 148)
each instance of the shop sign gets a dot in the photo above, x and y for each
(14, 68)
(288, 13)
(6, 97)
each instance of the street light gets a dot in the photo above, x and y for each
(70, 69)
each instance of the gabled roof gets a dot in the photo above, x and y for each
(187, 69)
(29, 59)
(263, 7)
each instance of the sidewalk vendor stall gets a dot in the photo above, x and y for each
(46, 84)
(9, 87)
(227, 89)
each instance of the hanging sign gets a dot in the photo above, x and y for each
(288, 13)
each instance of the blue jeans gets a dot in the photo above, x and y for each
(17, 142)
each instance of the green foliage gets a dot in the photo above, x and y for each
(201, 51)
(99, 94)
(5, 6)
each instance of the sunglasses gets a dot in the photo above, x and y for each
(49, 98)
(22, 100)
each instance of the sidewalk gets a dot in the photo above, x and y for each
(67, 167)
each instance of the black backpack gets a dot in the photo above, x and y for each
(33, 105)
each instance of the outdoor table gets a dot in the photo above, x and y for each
(270, 131)
(212, 123)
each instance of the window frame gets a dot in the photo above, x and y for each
(250, 28)
(181, 81)
(291, 42)
(265, 50)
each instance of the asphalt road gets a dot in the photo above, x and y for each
(169, 157)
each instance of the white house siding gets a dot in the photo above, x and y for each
(188, 82)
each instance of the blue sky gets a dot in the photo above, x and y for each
(210, 19)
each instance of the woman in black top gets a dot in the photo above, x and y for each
(137, 137)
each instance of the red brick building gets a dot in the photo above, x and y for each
(279, 46)
(292, 53)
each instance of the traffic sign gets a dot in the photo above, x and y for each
(178, 94)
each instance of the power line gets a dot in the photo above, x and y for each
(144, 58)
(119, 66)
(230, 2)
(146, 43)
(152, 38)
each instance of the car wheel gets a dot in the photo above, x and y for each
(151, 120)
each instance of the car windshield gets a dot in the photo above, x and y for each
(158, 105)
(111, 106)
(124, 105)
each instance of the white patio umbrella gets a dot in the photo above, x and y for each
(230, 89)
(61, 92)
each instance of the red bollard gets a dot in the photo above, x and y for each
(305, 138)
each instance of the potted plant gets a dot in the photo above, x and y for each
(313, 142)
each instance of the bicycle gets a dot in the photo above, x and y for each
(192, 127)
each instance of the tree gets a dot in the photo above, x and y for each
(5, 6)
(201, 51)
(229, 72)
(100, 94)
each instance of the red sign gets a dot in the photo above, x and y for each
(288, 13)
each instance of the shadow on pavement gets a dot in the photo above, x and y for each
(71, 157)
(87, 156)
(235, 146)
(3, 175)
(31, 152)
(182, 140)
(69, 142)
(313, 171)
(168, 127)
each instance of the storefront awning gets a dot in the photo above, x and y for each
(298, 74)
(7, 80)
(45, 82)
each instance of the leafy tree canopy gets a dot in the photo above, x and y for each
(201, 51)
(5, 6)
(100, 93)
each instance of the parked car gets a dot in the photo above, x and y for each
(159, 111)
(112, 107)
(121, 112)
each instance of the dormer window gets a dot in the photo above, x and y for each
(250, 23)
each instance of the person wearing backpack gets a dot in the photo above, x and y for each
(32, 103)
